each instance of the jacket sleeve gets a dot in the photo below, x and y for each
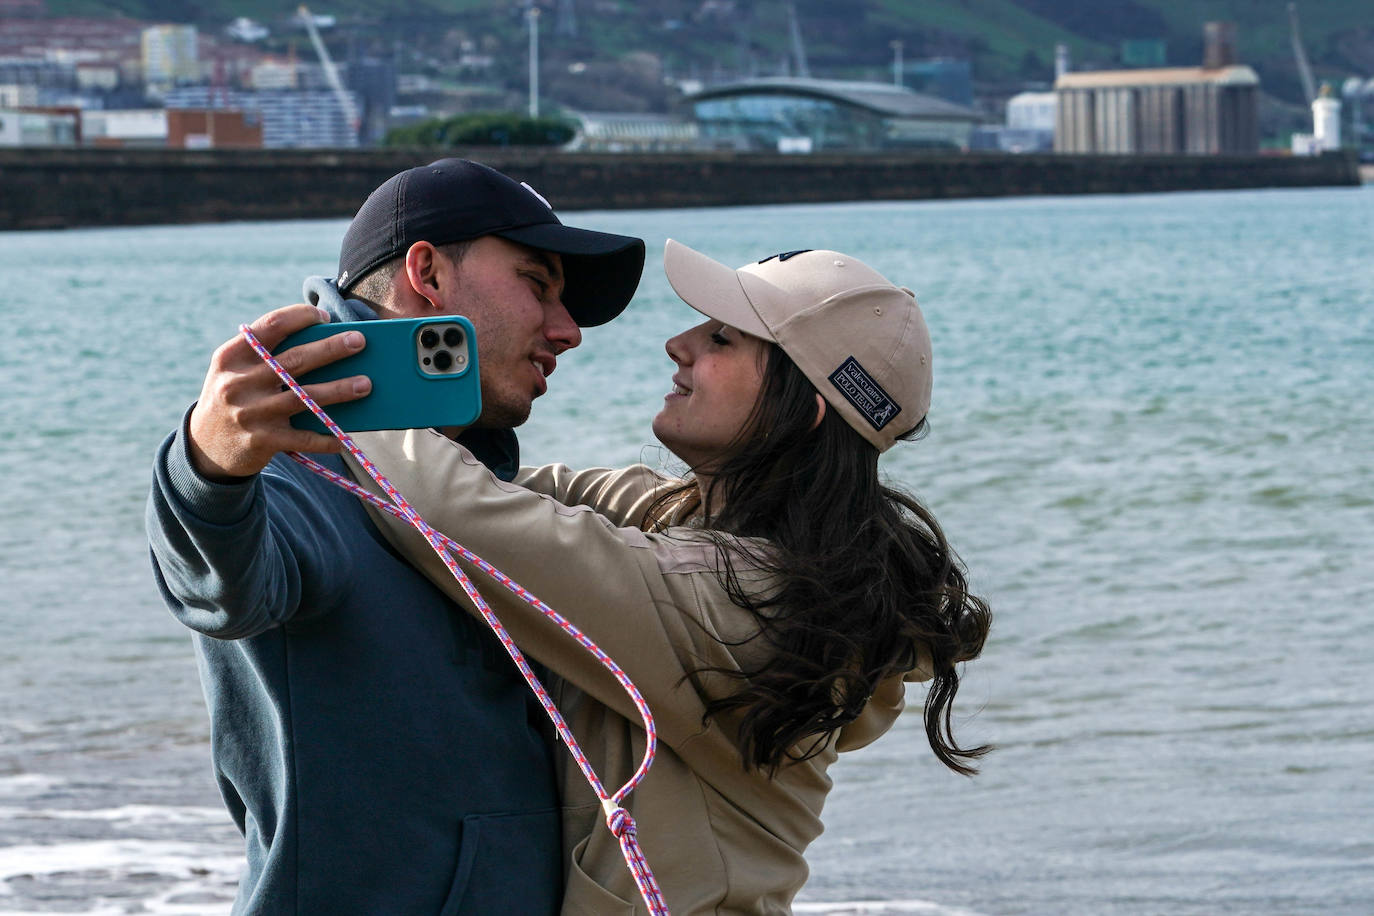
(622, 495)
(618, 585)
(235, 559)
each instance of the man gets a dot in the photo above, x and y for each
(377, 749)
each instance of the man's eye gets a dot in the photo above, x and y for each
(539, 282)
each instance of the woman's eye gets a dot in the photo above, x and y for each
(718, 338)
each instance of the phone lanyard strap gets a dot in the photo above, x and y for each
(621, 824)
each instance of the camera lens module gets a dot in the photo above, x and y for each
(441, 348)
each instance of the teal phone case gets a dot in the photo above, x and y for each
(409, 390)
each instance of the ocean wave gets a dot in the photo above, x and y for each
(881, 908)
(127, 814)
(175, 877)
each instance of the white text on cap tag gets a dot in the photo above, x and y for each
(867, 396)
(526, 186)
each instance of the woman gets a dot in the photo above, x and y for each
(769, 607)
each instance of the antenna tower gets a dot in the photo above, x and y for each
(798, 50)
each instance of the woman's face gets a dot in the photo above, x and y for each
(718, 378)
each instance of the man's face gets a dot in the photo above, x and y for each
(513, 297)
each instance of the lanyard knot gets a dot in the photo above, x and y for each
(621, 823)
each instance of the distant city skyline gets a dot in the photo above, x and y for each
(657, 57)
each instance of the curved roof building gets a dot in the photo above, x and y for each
(802, 114)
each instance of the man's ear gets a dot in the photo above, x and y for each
(423, 270)
(820, 412)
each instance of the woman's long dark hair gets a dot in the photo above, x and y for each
(865, 578)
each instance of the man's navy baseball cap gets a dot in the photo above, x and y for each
(454, 200)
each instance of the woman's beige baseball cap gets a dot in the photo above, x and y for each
(860, 340)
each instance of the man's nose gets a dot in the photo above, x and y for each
(560, 329)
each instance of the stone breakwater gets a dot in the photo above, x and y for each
(50, 188)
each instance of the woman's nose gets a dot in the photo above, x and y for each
(677, 349)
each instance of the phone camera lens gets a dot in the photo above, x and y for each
(442, 361)
(429, 338)
(453, 337)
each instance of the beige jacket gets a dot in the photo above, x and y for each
(719, 839)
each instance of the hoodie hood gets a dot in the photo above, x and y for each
(498, 449)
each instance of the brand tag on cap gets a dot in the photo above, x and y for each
(867, 396)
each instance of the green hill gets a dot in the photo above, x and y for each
(1008, 41)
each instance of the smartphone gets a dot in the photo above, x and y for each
(423, 370)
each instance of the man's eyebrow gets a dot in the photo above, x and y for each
(543, 260)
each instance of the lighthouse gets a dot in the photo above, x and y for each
(1326, 120)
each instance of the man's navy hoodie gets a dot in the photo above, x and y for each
(374, 743)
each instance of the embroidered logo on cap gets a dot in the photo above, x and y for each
(526, 186)
(867, 396)
(785, 255)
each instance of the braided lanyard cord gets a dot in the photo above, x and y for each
(619, 821)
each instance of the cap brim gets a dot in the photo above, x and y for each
(711, 288)
(601, 270)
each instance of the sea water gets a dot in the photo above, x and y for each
(1151, 443)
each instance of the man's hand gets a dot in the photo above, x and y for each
(243, 416)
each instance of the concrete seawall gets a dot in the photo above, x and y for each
(52, 188)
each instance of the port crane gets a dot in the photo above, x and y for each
(331, 73)
(1309, 86)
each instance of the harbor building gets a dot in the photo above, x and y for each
(170, 55)
(288, 118)
(614, 132)
(795, 114)
(213, 129)
(945, 78)
(1175, 110)
(1029, 127)
(136, 127)
(39, 126)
